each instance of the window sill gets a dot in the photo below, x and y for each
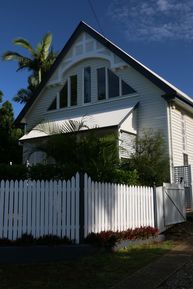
(93, 103)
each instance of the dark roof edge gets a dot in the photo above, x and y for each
(108, 44)
(170, 97)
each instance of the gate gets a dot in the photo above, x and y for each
(171, 209)
(182, 174)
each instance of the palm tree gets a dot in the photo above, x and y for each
(76, 147)
(39, 62)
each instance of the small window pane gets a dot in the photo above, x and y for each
(126, 89)
(87, 85)
(73, 90)
(113, 81)
(101, 83)
(53, 105)
(64, 96)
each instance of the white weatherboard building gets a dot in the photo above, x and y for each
(93, 77)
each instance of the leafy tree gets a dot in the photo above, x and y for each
(1, 96)
(38, 63)
(149, 159)
(10, 151)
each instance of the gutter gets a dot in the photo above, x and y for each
(179, 99)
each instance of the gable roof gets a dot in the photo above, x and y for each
(170, 90)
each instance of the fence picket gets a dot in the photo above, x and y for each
(64, 209)
(50, 207)
(38, 209)
(77, 208)
(6, 209)
(33, 206)
(68, 209)
(15, 211)
(99, 207)
(29, 208)
(86, 224)
(46, 228)
(2, 195)
(72, 209)
(59, 231)
(20, 212)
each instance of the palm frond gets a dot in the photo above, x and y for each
(46, 43)
(23, 95)
(68, 126)
(11, 55)
(25, 44)
(23, 62)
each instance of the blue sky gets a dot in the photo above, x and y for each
(159, 33)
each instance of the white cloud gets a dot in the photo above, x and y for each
(163, 5)
(154, 19)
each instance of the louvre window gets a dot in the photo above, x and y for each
(101, 83)
(87, 84)
(126, 89)
(53, 105)
(113, 84)
(64, 96)
(73, 90)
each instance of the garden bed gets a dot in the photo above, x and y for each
(112, 240)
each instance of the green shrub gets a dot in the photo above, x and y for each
(14, 172)
(124, 177)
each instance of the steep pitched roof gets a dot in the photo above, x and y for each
(170, 90)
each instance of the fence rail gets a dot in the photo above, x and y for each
(76, 207)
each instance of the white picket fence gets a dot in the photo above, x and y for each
(39, 208)
(116, 207)
(79, 206)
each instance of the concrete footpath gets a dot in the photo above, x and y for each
(151, 276)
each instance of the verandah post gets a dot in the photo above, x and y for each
(81, 208)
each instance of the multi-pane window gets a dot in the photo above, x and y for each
(87, 84)
(113, 84)
(101, 83)
(64, 96)
(73, 90)
(67, 95)
(110, 85)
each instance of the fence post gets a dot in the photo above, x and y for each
(155, 206)
(81, 208)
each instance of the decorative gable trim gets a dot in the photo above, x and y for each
(83, 27)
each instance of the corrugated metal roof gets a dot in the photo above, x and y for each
(97, 120)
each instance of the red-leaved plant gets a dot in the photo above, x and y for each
(110, 238)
